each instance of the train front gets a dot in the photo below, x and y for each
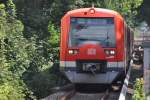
(92, 46)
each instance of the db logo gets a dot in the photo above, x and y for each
(91, 51)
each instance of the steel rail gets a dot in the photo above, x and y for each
(106, 95)
(68, 95)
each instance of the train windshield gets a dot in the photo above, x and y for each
(92, 31)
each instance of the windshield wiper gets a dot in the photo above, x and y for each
(106, 39)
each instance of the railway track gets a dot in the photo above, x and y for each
(73, 95)
(108, 94)
(68, 95)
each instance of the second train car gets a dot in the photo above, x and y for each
(96, 45)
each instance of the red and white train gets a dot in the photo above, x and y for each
(96, 45)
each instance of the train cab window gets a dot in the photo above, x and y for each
(92, 31)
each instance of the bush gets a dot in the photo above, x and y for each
(139, 90)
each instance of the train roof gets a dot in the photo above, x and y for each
(108, 11)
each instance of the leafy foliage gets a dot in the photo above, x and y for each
(54, 42)
(14, 56)
(139, 90)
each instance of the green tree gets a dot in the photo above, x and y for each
(14, 56)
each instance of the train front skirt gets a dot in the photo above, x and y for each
(101, 78)
(106, 75)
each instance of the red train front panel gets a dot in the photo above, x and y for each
(92, 45)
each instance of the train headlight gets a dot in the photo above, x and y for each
(70, 51)
(107, 52)
(112, 52)
(73, 51)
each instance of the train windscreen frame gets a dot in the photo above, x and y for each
(92, 30)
